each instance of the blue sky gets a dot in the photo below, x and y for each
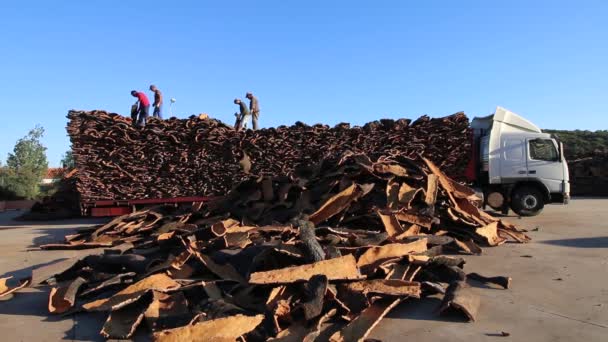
(311, 61)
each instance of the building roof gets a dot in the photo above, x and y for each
(54, 172)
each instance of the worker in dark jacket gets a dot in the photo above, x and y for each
(158, 102)
(243, 116)
(254, 108)
(143, 109)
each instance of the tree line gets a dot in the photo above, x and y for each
(581, 144)
(25, 168)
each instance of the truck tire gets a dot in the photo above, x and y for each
(527, 201)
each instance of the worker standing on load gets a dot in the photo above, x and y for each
(254, 107)
(158, 102)
(243, 116)
(143, 109)
(134, 109)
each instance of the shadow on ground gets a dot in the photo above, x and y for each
(34, 301)
(51, 235)
(7, 221)
(424, 309)
(28, 271)
(47, 235)
(28, 302)
(87, 327)
(500, 215)
(593, 242)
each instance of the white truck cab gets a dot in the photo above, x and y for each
(519, 166)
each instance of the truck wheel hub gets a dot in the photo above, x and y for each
(529, 201)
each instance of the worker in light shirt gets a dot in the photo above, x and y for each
(243, 116)
(158, 102)
(254, 108)
(143, 109)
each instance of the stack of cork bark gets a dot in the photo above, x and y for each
(202, 156)
(323, 255)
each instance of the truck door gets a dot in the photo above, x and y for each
(544, 164)
(512, 159)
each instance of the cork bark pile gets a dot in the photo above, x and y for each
(202, 156)
(322, 255)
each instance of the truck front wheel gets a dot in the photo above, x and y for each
(527, 201)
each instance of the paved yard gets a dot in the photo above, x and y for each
(559, 292)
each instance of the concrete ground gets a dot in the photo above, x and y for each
(559, 290)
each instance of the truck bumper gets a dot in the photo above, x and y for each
(563, 198)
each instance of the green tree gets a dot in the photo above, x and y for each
(2, 176)
(67, 160)
(27, 165)
(580, 144)
(5, 193)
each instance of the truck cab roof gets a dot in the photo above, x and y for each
(514, 122)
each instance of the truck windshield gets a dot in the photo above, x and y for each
(543, 149)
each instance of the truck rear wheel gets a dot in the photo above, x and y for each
(527, 201)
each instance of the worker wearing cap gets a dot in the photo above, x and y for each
(254, 107)
(158, 102)
(244, 115)
(143, 109)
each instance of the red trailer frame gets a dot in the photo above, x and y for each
(105, 208)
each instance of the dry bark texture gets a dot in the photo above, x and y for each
(321, 255)
(175, 157)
